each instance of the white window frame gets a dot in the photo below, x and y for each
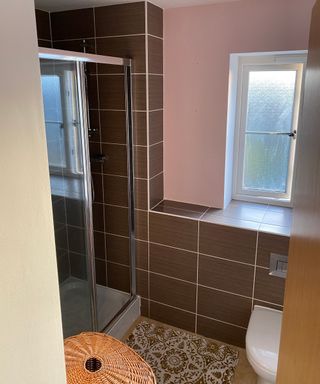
(270, 61)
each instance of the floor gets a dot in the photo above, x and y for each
(75, 305)
(244, 373)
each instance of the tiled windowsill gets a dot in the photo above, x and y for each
(251, 216)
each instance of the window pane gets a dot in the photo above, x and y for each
(270, 101)
(266, 160)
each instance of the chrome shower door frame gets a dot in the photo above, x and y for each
(80, 59)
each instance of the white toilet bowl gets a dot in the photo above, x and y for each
(262, 343)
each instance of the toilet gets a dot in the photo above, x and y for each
(262, 343)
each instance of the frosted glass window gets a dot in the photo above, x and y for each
(268, 102)
(271, 97)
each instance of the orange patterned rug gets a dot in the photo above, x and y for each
(179, 357)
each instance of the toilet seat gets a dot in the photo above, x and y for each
(263, 340)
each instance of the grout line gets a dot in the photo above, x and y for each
(200, 285)
(197, 279)
(169, 246)
(153, 177)
(255, 270)
(157, 37)
(148, 143)
(116, 263)
(159, 142)
(207, 317)
(154, 207)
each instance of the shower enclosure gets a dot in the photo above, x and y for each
(85, 305)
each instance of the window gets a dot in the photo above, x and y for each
(268, 103)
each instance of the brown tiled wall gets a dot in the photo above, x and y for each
(120, 30)
(205, 277)
(43, 28)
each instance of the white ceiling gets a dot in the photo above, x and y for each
(61, 5)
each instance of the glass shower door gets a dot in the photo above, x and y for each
(70, 191)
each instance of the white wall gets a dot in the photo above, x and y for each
(31, 342)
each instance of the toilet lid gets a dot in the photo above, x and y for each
(263, 338)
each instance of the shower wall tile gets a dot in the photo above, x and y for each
(155, 127)
(101, 272)
(141, 225)
(142, 254)
(118, 277)
(44, 43)
(140, 162)
(111, 92)
(155, 92)
(115, 190)
(118, 249)
(77, 45)
(43, 25)
(117, 220)
(124, 19)
(155, 159)
(99, 245)
(78, 265)
(98, 219)
(116, 162)
(140, 128)
(141, 194)
(155, 55)
(139, 92)
(75, 24)
(131, 47)
(142, 283)
(113, 127)
(155, 20)
(156, 190)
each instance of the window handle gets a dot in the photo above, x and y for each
(293, 134)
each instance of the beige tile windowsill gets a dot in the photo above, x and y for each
(239, 214)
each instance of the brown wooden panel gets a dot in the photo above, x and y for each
(300, 342)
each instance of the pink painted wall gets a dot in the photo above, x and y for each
(197, 44)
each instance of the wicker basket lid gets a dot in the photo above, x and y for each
(98, 358)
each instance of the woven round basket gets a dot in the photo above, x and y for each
(96, 358)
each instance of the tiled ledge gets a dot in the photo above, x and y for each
(251, 216)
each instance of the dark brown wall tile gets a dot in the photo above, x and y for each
(156, 190)
(92, 92)
(44, 43)
(227, 242)
(97, 187)
(141, 194)
(124, 19)
(78, 45)
(156, 159)
(98, 220)
(99, 245)
(63, 264)
(141, 221)
(101, 272)
(118, 277)
(61, 236)
(155, 20)
(75, 212)
(173, 292)
(144, 307)
(222, 332)
(140, 162)
(140, 128)
(173, 231)
(132, 47)
(155, 56)
(173, 262)
(94, 149)
(59, 210)
(43, 25)
(180, 209)
(155, 127)
(139, 101)
(94, 120)
(224, 306)
(115, 190)
(74, 24)
(142, 254)
(113, 127)
(117, 249)
(116, 162)
(155, 92)
(111, 92)
(267, 244)
(116, 220)
(226, 275)
(269, 288)
(142, 283)
(172, 316)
